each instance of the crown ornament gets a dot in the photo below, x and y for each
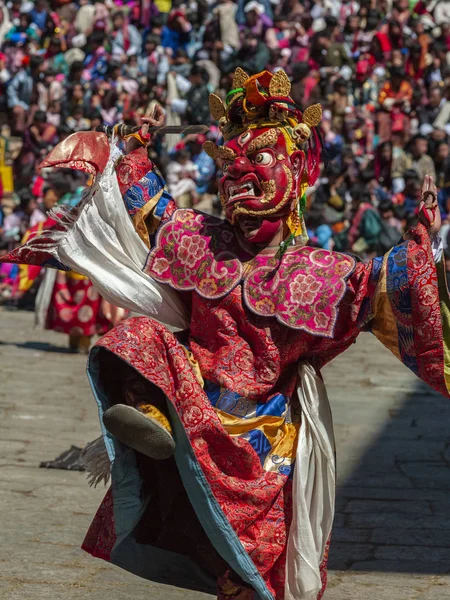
(259, 98)
(263, 100)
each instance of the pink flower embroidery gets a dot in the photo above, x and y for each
(304, 288)
(160, 265)
(191, 250)
(321, 320)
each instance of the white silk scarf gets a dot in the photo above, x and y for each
(103, 245)
(313, 489)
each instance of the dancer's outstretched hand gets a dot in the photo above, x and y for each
(429, 213)
(156, 119)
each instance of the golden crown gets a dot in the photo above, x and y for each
(263, 99)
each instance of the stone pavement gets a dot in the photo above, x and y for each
(391, 537)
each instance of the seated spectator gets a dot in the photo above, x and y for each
(177, 33)
(391, 228)
(20, 92)
(182, 175)
(420, 161)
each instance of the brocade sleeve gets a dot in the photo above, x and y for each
(144, 192)
(406, 306)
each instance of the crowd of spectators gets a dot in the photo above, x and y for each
(380, 69)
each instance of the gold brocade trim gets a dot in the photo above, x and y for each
(240, 210)
(281, 435)
(312, 115)
(25, 282)
(280, 84)
(265, 140)
(226, 153)
(444, 302)
(269, 189)
(216, 107)
(384, 323)
(216, 152)
(195, 366)
(239, 78)
(74, 275)
(149, 410)
(139, 219)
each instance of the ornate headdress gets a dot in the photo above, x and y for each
(263, 100)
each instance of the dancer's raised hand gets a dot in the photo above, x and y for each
(429, 213)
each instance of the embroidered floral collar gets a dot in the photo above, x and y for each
(198, 252)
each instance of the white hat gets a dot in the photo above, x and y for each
(79, 41)
(74, 55)
(425, 129)
(319, 25)
(346, 72)
(380, 72)
(26, 7)
(130, 86)
(256, 6)
(427, 22)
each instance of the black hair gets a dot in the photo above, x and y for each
(314, 217)
(35, 62)
(399, 211)
(182, 154)
(156, 21)
(25, 197)
(77, 65)
(300, 70)
(411, 174)
(27, 16)
(96, 37)
(40, 117)
(64, 129)
(198, 70)
(95, 114)
(396, 71)
(331, 22)
(62, 182)
(154, 38)
(385, 206)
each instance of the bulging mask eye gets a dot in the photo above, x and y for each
(244, 138)
(263, 158)
(225, 167)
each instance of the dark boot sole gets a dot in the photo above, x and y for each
(139, 432)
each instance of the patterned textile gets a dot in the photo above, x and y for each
(36, 249)
(243, 425)
(408, 318)
(28, 274)
(236, 435)
(132, 168)
(86, 151)
(100, 538)
(142, 192)
(303, 291)
(75, 307)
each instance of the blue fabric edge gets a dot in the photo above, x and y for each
(222, 535)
